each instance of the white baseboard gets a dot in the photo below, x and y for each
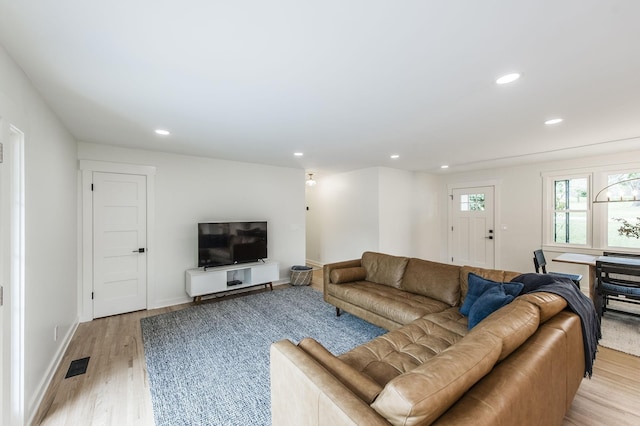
(43, 386)
(314, 263)
(170, 302)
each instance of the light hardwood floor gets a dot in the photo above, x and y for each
(115, 389)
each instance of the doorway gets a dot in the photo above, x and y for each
(117, 238)
(472, 227)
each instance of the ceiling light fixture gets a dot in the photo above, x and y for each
(162, 132)
(553, 121)
(298, 154)
(623, 195)
(310, 181)
(508, 78)
(444, 166)
(395, 156)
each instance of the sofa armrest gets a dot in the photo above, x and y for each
(326, 270)
(304, 393)
(360, 384)
(348, 275)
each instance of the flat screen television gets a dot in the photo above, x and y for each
(228, 243)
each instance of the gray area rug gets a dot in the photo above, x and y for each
(209, 364)
(621, 331)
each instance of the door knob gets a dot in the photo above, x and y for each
(140, 250)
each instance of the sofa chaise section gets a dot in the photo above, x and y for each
(521, 365)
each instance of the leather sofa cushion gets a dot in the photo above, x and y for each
(520, 319)
(383, 268)
(404, 349)
(358, 383)
(513, 324)
(548, 303)
(439, 281)
(396, 305)
(421, 395)
(347, 275)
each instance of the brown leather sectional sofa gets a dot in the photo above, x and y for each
(522, 365)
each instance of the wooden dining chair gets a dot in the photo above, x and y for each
(617, 282)
(540, 263)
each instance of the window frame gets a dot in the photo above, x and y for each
(549, 210)
(597, 214)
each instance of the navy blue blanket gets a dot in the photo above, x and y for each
(577, 302)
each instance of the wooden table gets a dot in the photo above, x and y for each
(582, 259)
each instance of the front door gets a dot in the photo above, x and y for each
(472, 227)
(119, 243)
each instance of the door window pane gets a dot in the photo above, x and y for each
(472, 202)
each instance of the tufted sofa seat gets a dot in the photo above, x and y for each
(520, 365)
(405, 348)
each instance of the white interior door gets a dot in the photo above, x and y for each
(119, 243)
(472, 227)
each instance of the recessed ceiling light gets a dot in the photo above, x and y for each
(509, 78)
(298, 154)
(394, 156)
(444, 166)
(162, 132)
(553, 121)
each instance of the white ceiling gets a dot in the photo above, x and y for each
(346, 82)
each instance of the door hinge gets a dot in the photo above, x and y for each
(451, 195)
(91, 295)
(452, 258)
(92, 187)
(452, 228)
(1, 295)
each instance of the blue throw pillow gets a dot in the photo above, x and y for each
(490, 301)
(478, 285)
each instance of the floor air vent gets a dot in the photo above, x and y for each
(77, 367)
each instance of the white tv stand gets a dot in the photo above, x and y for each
(226, 278)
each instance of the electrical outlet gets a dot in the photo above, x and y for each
(55, 333)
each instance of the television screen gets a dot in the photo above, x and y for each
(227, 243)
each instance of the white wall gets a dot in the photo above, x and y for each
(50, 234)
(344, 208)
(190, 189)
(427, 206)
(394, 211)
(314, 224)
(352, 212)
